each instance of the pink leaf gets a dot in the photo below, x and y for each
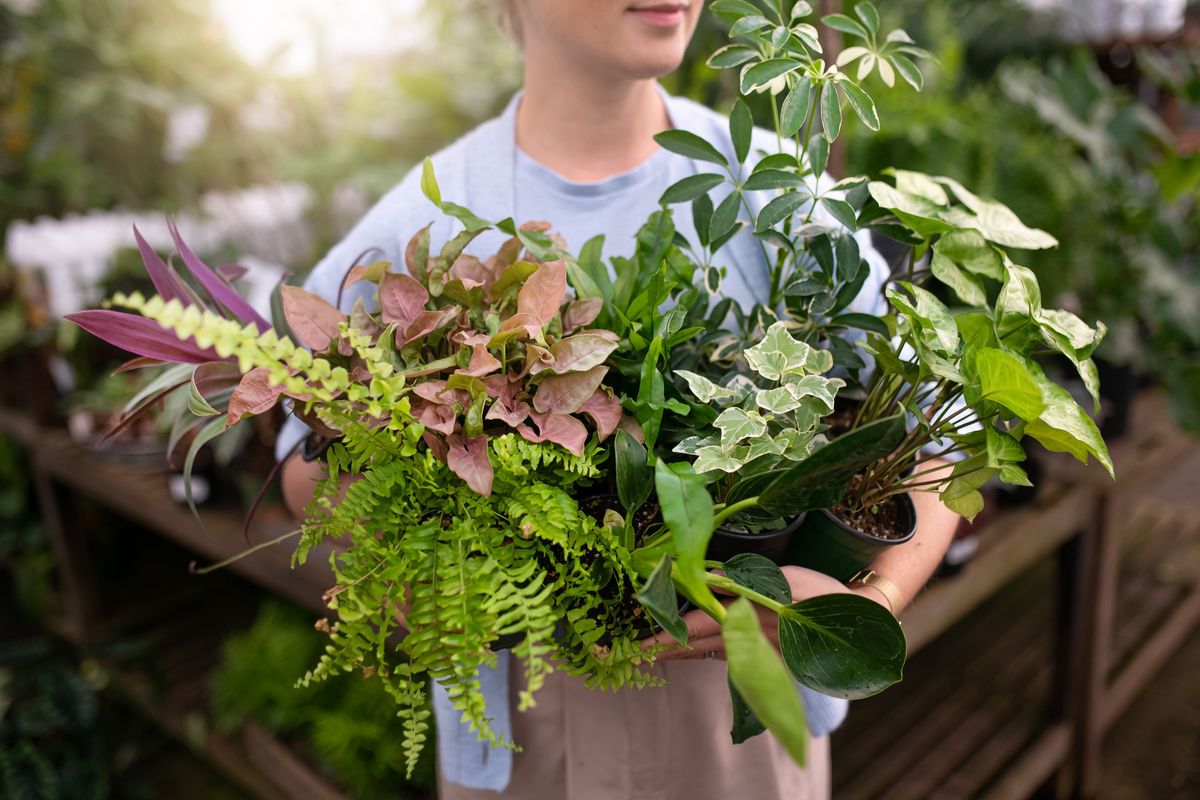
(543, 292)
(436, 392)
(231, 272)
(514, 326)
(561, 429)
(605, 411)
(503, 387)
(472, 272)
(512, 417)
(426, 323)
(313, 319)
(470, 338)
(632, 427)
(581, 313)
(581, 352)
(537, 359)
(468, 459)
(141, 336)
(434, 417)
(564, 394)
(254, 395)
(482, 362)
(435, 445)
(401, 298)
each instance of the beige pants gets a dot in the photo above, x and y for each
(669, 743)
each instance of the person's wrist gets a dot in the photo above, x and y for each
(872, 593)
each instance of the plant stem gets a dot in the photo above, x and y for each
(729, 511)
(733, 587)
(239, 556)
(431, 367)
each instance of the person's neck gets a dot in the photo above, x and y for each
(588, 128)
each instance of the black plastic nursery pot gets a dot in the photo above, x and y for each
(727, 543)
(829, 545)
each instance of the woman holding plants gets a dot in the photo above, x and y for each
(576, 147)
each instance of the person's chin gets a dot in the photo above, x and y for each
(650, 64)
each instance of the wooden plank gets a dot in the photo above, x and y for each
(1002, 745)
(293, 777)
(1035, 766)
(1152, 656)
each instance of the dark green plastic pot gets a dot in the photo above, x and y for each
(828, 545)
(726, 543)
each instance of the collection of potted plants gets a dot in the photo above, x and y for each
(489, 416)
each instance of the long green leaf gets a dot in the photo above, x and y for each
(759, 675)
(689, 144)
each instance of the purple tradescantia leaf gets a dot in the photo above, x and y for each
(142, 337)
(221, 292)
(165, 283)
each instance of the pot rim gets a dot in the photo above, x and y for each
(905, 501)
(786, 530)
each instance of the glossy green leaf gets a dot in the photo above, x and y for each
(779, 209)
(842, 211)
(634, 477)
(867, 12)
(732, 55)
(821, 479)
(842, 645)
(831, 113)
(659, 598)
(760, 574)
(741, 127)
(761, 74)
(759, 675)
(968, 288)
(725, 218)
(862, 103)
(908, 70)
(818, 153)
(840, 22)
(745, 724)
(1064, 427)
(429, 185)
(796, 107)
(690, 188)
(690, 145)
(688, 514)
(774, 179)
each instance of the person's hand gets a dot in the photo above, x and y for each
(704, 632)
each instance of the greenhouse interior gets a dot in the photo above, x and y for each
(808, 391)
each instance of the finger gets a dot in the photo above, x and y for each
(699, 650)
(699, 625)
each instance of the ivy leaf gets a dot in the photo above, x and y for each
(762, 680)
(736, 424)
(779, 354)
(842, 645)
(690, 145)
(705, 390)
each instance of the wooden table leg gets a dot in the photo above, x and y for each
(69, 544)
(1090, 569)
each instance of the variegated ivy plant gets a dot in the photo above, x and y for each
(775, 411)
